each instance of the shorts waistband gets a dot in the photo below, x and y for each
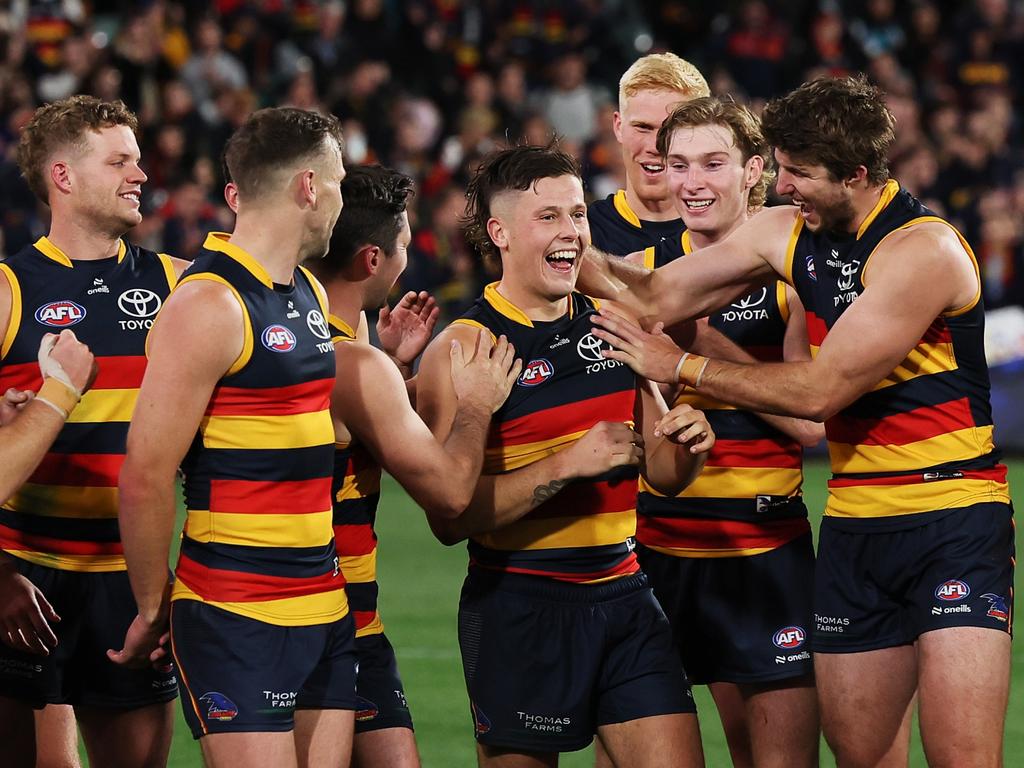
(533, 586)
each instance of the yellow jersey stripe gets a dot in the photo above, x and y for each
(300, 430)
(960, 445)
(312, 529)
(564, 532)
(320, 608)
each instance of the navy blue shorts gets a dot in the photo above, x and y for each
(243, 675)
(738, 619)
(884, 589)
(96, 610)
(546, 662)
(380, 696)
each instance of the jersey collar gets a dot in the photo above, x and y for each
(52, 252)
(510, 310)
(888, 193)
(623, 209)
(218, 241)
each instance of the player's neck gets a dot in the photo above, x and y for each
(276, 248)
(345, 300)
(650, 209)
(702, 239)
(533, 305)
(79, 242)
(864, 202)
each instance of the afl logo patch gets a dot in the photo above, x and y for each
(277, 338)
(536, 372)
(952, 590)
(60, 314)
(789, 637)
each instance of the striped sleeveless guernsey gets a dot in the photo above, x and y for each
(747, 500)
(616, 229)
(65, 516)
(356, 493)
(258, 539)
(583, 534)
(921, 440)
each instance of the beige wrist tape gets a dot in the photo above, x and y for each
(58, 395)
(690, 369)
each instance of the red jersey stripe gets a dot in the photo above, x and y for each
(901, 428)
(565, 419)
(306, 397)
(688, 533)
(19, 540)
(588, 498)
(765, 452)
(354, 540)
(275, 497)
(91, 470)
(224, 586)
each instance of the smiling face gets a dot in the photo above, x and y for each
(106, 180)
(825, 203)
(709, 180)
(541, 233)
(636, 128)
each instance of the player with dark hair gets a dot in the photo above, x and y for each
(913, 587)
(561, 638)
(237, 392)
(376, 427)
(59, 531)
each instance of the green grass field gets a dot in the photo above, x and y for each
(420, 583)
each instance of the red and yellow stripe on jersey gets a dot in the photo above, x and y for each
(582, 534)
(65, 515)
(921, 440)
(747, 500)
(356, 493)
(258, 540)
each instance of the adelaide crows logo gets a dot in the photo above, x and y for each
(997, 606)
(219, 706)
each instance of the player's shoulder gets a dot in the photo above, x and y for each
(602, 209)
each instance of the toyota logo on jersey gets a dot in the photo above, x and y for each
(60, 314)
(277, 338)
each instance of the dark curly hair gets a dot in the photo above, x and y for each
(374, 199)
(515, 168)
(839, 123)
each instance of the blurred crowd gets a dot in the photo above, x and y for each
(428, 86)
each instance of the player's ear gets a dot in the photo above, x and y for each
(231, 195)
(497, 232)
(60, 175)
(307, 188)
(617, 125)
(755, 167)
(370, 257)
(859, 176)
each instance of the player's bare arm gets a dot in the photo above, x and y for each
(870, 339)
(184, 366)
(702, 282)
(371, 402)
(676, 441)
(502, 499)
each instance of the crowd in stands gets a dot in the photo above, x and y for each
(429, 86)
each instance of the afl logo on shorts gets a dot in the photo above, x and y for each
(952, 590)
(536, 372)
(60, 314)
(277, 338)
(789, 637)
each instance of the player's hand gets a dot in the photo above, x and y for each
(67, 359)
(686, 426)
(25, 614)
(605, 446)
(145, 644)
(12, 403)
(652, 355)
(486, 378)
(405, 331)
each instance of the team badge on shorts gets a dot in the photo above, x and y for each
(365, 709)
(219, 706)
(997, 606)
(480, 722)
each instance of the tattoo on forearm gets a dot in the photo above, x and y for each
(544, 492)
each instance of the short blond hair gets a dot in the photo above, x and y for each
(662, 72)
